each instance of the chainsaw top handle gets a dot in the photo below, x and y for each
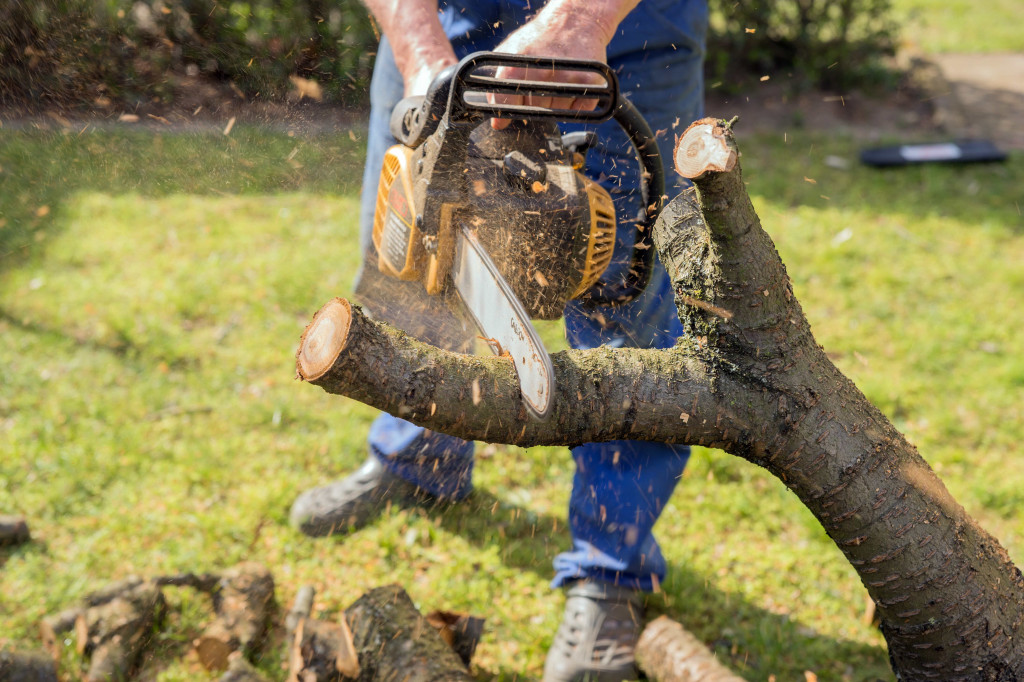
(458, 98)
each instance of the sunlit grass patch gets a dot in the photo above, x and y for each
(960, 25)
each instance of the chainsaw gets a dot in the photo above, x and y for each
(506, 217)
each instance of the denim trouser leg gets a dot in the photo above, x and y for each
(621, 487)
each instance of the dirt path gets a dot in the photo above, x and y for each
(946, 96)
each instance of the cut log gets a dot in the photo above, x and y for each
(13, 531)
(240, 670)
(243, 601)
(114, 634)
(319, 651)
(666, 652)
(460, 631)
(204, 582)
(323, 652)
(19, 666)
(395, 642)
(53, 628)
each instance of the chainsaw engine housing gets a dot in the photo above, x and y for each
(549, 229)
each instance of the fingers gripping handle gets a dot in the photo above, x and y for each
(475, 80)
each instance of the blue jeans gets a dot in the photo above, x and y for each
(620, 487)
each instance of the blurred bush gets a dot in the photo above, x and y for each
(830, 44)
(80, 52)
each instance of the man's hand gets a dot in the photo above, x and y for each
(572, 29)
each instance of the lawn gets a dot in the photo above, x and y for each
(960, 25)
(152, 291)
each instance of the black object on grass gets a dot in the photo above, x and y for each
(960, 151)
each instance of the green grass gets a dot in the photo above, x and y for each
(149, 421)
(961, 25)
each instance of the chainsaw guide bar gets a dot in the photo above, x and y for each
(501, 317)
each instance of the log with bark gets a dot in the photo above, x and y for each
(319, 651)
(113, 634)
(52, 628)
(747, 378)
(394, 642)
(666, 652)
(22, 666)
(13, 531)
(243, 602)
(240, 670)
(302, 608)
(322, 651)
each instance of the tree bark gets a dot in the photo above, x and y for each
(53, 627)
(302, 608)
(666, 652)
(240, 670)
(394, 642)
(323, 652)
(114, 633)
(13, 531)
(319, 651)
(17, 666)
(243, 601)
(748, 378)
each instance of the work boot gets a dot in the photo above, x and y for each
(598, 634)
(352, 502)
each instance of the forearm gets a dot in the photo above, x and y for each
(414, 31)
(601, 17)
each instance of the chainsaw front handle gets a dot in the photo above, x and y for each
(474, 81)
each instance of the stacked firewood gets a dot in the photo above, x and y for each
(381, 636)
(113, 627)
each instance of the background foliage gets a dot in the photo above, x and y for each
(81, 51)
(94, 51)
(833, 44)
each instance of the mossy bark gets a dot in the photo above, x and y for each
(394, 642)
(750, 379)
(114, 633)
(13, 531)
(243, 601)
(21, 666)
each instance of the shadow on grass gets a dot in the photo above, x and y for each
(751, 640)
(40, 169)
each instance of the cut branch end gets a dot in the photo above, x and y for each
(705, 147)
(324, 339)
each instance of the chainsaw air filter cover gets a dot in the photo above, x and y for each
(549, 229)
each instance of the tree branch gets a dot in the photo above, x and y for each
(603, 394)
(750, 379)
